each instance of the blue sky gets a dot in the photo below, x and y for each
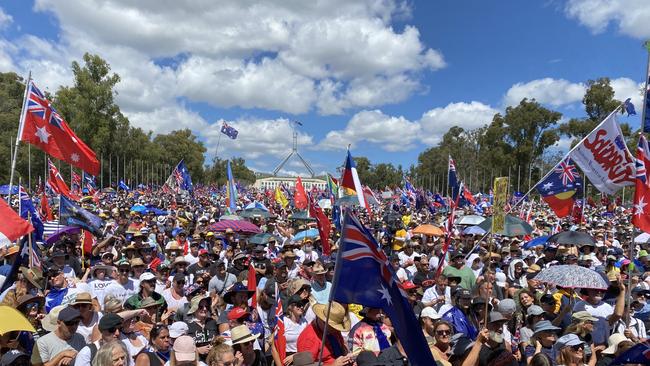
(387, 77)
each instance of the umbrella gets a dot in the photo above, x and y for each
(470, 220)
(311, 233)
(572, 238)
(325, 203)
(572, 276)
(13, 320)
(239, 226)
(67, 230)
(256, 205)
(255, 212)
(514, 226)
(642, 238)
(301, 215)
(230, 217)
(4, 189)
(540, 240)
(473, 230)
(138, 208)
(428, 229)
(263, 238)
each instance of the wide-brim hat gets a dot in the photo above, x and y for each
(237, 287)
(613, 342)
(34, 276)
(108, 269)
(303, 359)
(241, 334)
(338, 316)
(27, 299)
(180, 260)
(49, 322)
(319, 269)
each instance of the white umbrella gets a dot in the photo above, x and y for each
(470, 220)
(642, 238)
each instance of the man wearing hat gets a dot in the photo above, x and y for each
(242, 341)
(15, 357)
(457, 268)
(222, 280)
(100, 279)
(193, 255)
(320, 288)
(289, 258)
(109, 327)
(29, 280)
(542, 340)
(202, 267)
(61, 345)
(370, 333)
(606, 314)
(495, 341)
(335, 350)
(459, 315)
(123, 287)
(147, 288)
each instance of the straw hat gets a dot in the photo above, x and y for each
(319, 269)
(34, 276)
(241, 334)
(338, 316)
(83, 298)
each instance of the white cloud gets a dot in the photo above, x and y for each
(627, 88)
(632, 17)
(168, 119)
(5, 19)
(436, 122)
(556, 92)
(391, 133)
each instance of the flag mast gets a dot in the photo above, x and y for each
(20, 132)
(645, 126)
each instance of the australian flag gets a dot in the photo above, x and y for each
(364, 276)
(452, 179)
(29, 213)
(638, 354)
(182, 175)
(229, 131)
(73, 215)
(123, 186)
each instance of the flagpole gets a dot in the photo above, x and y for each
(29, 238)
(29, 166)
(216, 153)
(584, 198)
(21, 124)
(645, 89)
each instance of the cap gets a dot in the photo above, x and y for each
(583, 315)
(534, 310)
(567, 340)
(237, 313)
(179, 277)
(109, 321)
(544, 326)
(178, 329)
(11, 357)
(430, 313)
(68, 314)
(507, 306)
(147, 276)
(296, 299)
(184, 349)
(463, 293)
(407, 285)
(496, 316)
(203, 252)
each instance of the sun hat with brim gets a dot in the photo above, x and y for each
(28, 299)
(496, 317)
(544, 326)
(237, 287)
(194, 304)
(338, 316)
(319, 269)
(34, 276)
(180, 260)
(83, 298)
(184, 349)
(148, 302)
(613, 343)
(137, 262)
(49, 322)
(567, 340)
(583, 316)
(241, 334)
(99, 267)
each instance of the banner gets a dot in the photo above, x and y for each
(500, 201)
(604, 157)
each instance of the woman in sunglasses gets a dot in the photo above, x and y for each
(158, 352)
(571, 351)
(442, 332)
(202, 327)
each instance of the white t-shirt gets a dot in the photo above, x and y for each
(121, 292)
(98, 290)
(403, 275)
(403, 258)
(87, 330)
(173, 303)
(191, 259)
(292, 331)
(601, 311)
(133, 350)
(432, 293)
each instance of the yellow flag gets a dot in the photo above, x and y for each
(280, 197)
(499, 206)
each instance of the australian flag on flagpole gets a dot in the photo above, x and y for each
(229, 131)
(73, 215)
(452, 179)
(363, 276)
(28, 212)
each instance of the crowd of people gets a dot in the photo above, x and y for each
(163, 288)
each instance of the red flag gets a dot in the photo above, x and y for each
(44, 128)
(324, 226)
(300, 196)
(252, 284)
(12, 226)
(46, 212)
(57, 183)
(641, 214)
(279, 338)
(87, 241)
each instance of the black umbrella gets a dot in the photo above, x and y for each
(513, 226)
(572, 238)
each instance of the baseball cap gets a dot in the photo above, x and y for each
(507, 306)
(69, 313)
(147, 276)
(11, 357)
(534, 310)
(109, 321)
(184, 348)
(583, 315)
(430, 313)
(178, 329)
(203, 251)
(567, 340)
(237, 313)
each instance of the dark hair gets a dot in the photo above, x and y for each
(156, 330)
(541, 359)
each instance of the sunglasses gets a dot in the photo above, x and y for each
(124, 270)
(578, 347)
(180, 283)
(111, 330)
(443, 332)
(31, 306)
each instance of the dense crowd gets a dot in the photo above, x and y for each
(163, 288)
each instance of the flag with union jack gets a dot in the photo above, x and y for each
(363, 276)
(279, 339)
(43, 127)
(561, 187)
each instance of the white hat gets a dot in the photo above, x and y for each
(178, 329)
(430, 313)
(500, 279)
(146, 276)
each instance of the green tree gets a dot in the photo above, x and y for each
(182, 144)
(217, 172)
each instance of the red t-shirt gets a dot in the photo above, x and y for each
(309, 340)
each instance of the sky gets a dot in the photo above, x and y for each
(385, 77)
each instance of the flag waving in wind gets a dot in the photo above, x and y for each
(364, 276)
(73, 215)
(57, 183)
(180, 180)
(452, 179)
(231, 191)
(560, 188)
(229, 131)
(350, 180)
(641, 214)
(44, 128)
(12, 226)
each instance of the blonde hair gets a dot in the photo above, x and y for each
(219, 348)
(565, 357)
(104, 355)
